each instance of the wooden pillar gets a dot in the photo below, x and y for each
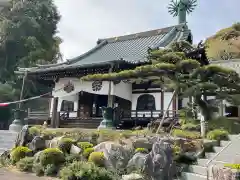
(162, 102)
(174, 105)
(110, 86)
(239, 112)
(54, 112)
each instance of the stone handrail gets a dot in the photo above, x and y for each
(215, 156)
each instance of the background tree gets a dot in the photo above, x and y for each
(28, 37)
(225, 44)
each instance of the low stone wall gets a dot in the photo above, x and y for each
(224, 173)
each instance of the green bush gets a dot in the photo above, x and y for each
(35, 130)
(51, 170)
(38, 169)
(85, 170)
(229, 124)
(84, 145)
(141, 150)
(65, 144)
(19, 153)
(73, 157)
(25, 164)
(51, 156)
(217, 134)
(186, 134)
(191, 127)
(87, 152)
(97, 158)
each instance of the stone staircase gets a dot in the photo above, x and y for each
(7, 140)
(227, 152)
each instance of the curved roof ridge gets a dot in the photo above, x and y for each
(141, 34)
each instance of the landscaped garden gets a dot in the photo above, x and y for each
(108, 154)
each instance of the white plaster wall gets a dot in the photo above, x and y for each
(185, 101)
(123, 90)
(167, 99)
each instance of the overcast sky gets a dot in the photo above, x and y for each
(84, 21)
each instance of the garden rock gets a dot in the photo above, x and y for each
(37, 157)
(116, 155)
(23, 137)
(159, 162)
(38, 143)
(55, 142)
(142, 143)
(132, 176)
(137, 162)
(75, 150)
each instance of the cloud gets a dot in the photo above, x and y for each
(85, 21)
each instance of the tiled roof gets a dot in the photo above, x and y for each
(132, 48)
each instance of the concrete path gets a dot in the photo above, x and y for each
(16, 175)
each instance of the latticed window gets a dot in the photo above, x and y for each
(67, 106)
(146, 102)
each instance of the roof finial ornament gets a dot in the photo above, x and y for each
(180, 8)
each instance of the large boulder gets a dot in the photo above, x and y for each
(159, 164)
(142, 143)
(38, 143)
(23, 137)
(75, 149)
(54, 143)
(137, 162)
(116, 155)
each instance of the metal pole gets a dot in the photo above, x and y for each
(22, 90)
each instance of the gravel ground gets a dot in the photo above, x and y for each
(16, 175)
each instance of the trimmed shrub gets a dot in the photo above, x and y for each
(191, 127)
(97, 158)
(19, 153)
(25, 164)
(35, 130)
(186, 134)
(85, 170)
(51, 170)
(217, 134)
(65, 144)
(84, 145)
(73, 157)
(87, 152)
(51, 156)
(176, 150)
(229, 124)
(38, 169)
(141, 150)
